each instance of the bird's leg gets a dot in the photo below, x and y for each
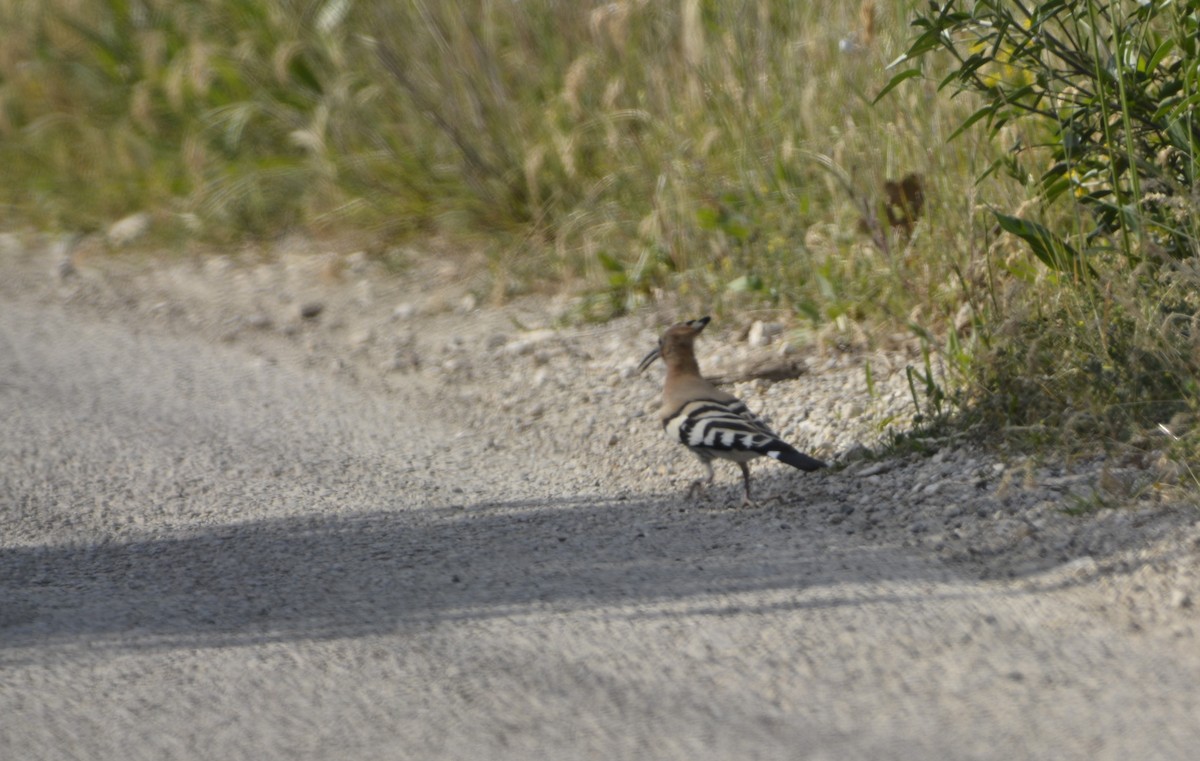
(701, 483)
(746, 501)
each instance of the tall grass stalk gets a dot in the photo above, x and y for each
(726, 151)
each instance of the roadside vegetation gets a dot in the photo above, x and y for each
(1014, 184)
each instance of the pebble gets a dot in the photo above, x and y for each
(1080, 567)
(467, 304)
(128, 229)
(849, 410)
(520, 347)
(876, 468)
(258, 321)
(762, 333)
(857, 451)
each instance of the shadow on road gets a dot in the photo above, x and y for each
(323, 576)
(382, 569)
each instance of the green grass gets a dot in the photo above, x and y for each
(722, 150)
(731, 154)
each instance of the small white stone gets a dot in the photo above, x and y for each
(258, 321)
(874, 469)
(520, 347)
(756, 337)
(128, 229)
(1080, 567)
(761, 333)
(467, 304)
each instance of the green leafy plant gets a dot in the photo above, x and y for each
(1096, 104)
(1111, 91)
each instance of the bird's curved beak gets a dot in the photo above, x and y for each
(649, 360)
(699, 325)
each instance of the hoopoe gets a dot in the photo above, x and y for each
(708, 421)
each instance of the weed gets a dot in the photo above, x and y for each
(1036, 228)
(1090, 347)
(578, 144)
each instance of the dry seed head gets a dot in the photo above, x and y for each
(141, 108)
(532, 166)
(693, 33)
(565, 146)
(194, 156)
(612, 21)
(173, 85)
(153, 48)
(308, 139)
(574, 80)
(649, 228)
(612, 91)
(199, 71)
(281, 60)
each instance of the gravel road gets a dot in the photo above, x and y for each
(297, 509)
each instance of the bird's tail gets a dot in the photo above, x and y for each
(795, 458)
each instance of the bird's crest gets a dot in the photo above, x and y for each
(678, 335)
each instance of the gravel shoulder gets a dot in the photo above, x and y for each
(300, 508)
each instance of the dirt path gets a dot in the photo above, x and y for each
(229, 531)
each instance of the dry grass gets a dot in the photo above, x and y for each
(727, 153)
(730, 152)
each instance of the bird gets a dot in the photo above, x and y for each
(708, 421)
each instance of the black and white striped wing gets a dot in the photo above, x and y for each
(739, 408)
(719, 426)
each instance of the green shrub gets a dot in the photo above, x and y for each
(1097, 107)
(1114, 89)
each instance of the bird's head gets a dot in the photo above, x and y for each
(679, 339)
